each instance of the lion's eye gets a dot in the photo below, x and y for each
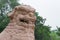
(23, 20)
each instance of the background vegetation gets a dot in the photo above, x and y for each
(42, 32)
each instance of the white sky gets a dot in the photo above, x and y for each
(49, 9)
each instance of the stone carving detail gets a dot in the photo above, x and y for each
(21, 26)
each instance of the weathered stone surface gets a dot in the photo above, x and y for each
(21, 26)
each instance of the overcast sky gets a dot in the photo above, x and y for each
(49, 9)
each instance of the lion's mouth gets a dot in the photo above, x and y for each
(23, 21)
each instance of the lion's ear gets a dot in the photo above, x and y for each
(11, 15)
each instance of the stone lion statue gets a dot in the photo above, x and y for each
(22, 23)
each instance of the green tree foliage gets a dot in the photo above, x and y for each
(14, 3)
(5, 7)
(42, 32)
(54, 35)
(58, 31)
(4, 22)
